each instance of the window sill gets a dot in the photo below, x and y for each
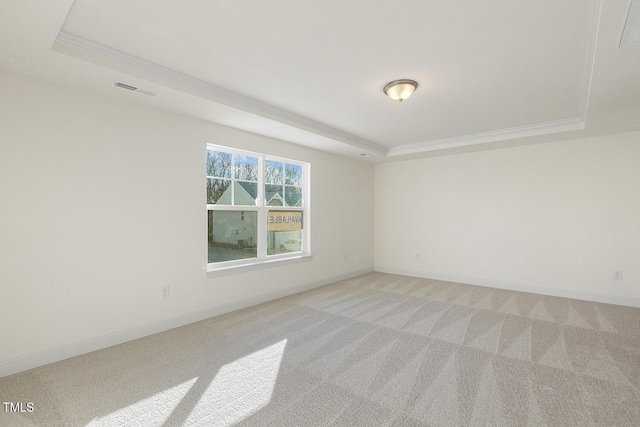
(259, 265)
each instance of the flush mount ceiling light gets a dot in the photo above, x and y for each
(399, 90)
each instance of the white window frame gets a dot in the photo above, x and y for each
(262, 259)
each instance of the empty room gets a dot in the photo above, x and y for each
(344, 213)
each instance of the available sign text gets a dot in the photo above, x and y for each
(284, 220)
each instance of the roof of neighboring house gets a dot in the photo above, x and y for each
(245, 194)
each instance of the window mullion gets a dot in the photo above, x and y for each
(262, 212)
(233, 175)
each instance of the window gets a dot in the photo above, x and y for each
(257, 208)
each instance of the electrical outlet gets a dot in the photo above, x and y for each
(617, 275)
(165, 292)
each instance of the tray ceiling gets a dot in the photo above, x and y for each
(490, 73)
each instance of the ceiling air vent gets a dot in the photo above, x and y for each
(134, 89)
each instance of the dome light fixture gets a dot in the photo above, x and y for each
(399, 90)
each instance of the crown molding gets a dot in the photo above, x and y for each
(485, 137)
(81, 48)
(630, 32)
(589, 57)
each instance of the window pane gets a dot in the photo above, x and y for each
(284, 232)
(293, 196)
(246, 168)
(274, 195)
(293, 175)
(218, 191)
(282, 242)
(273, 173)
(245, 193)
(232, 235)
(219, 164)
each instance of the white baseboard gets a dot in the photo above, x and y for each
(542, 290)
(46, 357)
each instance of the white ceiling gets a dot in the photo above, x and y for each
(492, 74)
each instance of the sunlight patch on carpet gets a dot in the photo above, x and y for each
(154, 409)
(240, 388)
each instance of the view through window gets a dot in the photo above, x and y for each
(256, 207)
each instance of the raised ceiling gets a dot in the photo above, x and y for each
(492, 73)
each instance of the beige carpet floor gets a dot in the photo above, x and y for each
(375, 350)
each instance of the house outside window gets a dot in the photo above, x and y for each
(257, 208)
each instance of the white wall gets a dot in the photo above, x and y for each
(556, 218)
(103, 203)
